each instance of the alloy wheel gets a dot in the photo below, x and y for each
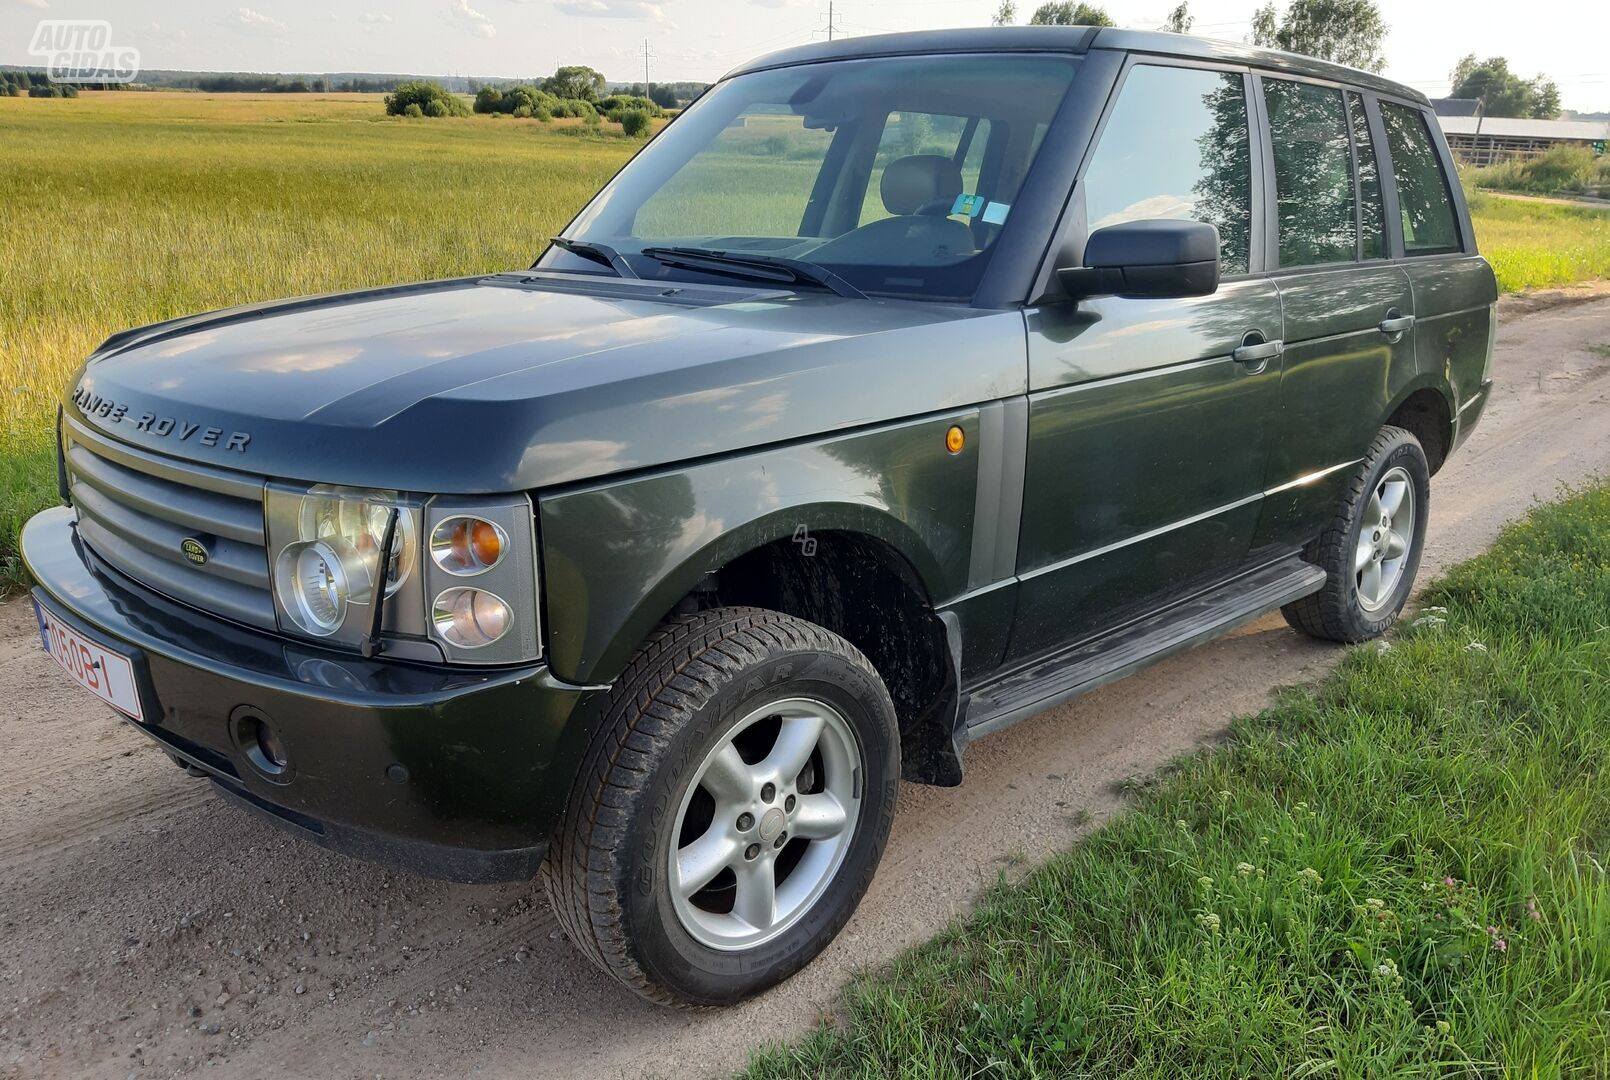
(766, 823)
(1385, 537)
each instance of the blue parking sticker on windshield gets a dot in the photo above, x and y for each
(967, 205)
(995, 213)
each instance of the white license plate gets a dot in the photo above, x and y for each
(102, 672)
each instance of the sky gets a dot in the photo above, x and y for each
(701, 39)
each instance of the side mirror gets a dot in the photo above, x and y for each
(1154, 259)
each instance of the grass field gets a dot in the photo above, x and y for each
(1400, 873)
(1534, 245)
(122, 209)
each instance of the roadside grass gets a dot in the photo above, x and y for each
(1534, 245)
(1398, 873)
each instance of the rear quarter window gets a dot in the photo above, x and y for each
(1429, 226)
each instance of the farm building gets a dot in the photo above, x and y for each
(1482, 140)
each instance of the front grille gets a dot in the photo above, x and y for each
(136, 509)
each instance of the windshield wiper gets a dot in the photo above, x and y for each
(754, 266)
(602, 254)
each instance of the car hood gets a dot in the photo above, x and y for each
(520, 381)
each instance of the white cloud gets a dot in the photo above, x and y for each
(784, 3)
(612, 9)
(374, 17)
(42, 5)
(472, 20)
(255, 22)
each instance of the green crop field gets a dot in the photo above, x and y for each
(122, 209)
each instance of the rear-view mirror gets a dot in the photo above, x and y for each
(1151, 259)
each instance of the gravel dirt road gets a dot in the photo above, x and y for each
(151, 930)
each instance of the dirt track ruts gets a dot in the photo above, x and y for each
(148, 929)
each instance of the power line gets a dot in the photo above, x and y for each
(647, 56)
(832, 23)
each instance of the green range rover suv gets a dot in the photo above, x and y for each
(901, 388)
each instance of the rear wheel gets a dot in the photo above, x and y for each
(731, 810)
(1371, 549)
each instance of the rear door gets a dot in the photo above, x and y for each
(1348, 309)
(1146, 448)
(1454, 289)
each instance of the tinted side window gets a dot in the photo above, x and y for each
(1176, 146)
(1428, 219)
(1313, 173)
(1372, 217)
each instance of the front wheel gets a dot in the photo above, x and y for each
(1371, 549)
(731, 810)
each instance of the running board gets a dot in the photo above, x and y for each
(1122, 652)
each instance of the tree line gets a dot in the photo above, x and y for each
(573, 91)
(1347, 32)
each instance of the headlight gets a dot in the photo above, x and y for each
(326, 563)
(315, 580)
(358, 518)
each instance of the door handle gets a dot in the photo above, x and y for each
(1258, 352)
(1395, 324)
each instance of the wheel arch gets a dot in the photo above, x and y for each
(852, 568)
(1425, 410)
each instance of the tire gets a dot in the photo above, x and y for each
(657, 776)
(1350, 608)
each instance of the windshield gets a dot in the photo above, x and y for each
(894, 175)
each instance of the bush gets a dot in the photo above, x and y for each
(43, 90)
(424, 98)
(1561, 169)
(615, 104)
(574, 108)
(635, 122)
(520, 101)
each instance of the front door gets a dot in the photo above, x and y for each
(1146, 449)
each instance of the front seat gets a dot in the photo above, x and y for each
(919, 190)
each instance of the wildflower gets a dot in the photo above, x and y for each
(1224, 796)
(1180, 824)
(1431, 621)
(1311, 876)
(1374, 905)
(1449, 882)
(1476, 646)
(1433, 611)
(1387, 969)
(1444, 1027)
(1245, 869)
(1501, 945)
(1209, 921)
(1531, 909)
(1383, 646)
(1206, 882)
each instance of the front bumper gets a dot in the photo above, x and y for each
(457, 774)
